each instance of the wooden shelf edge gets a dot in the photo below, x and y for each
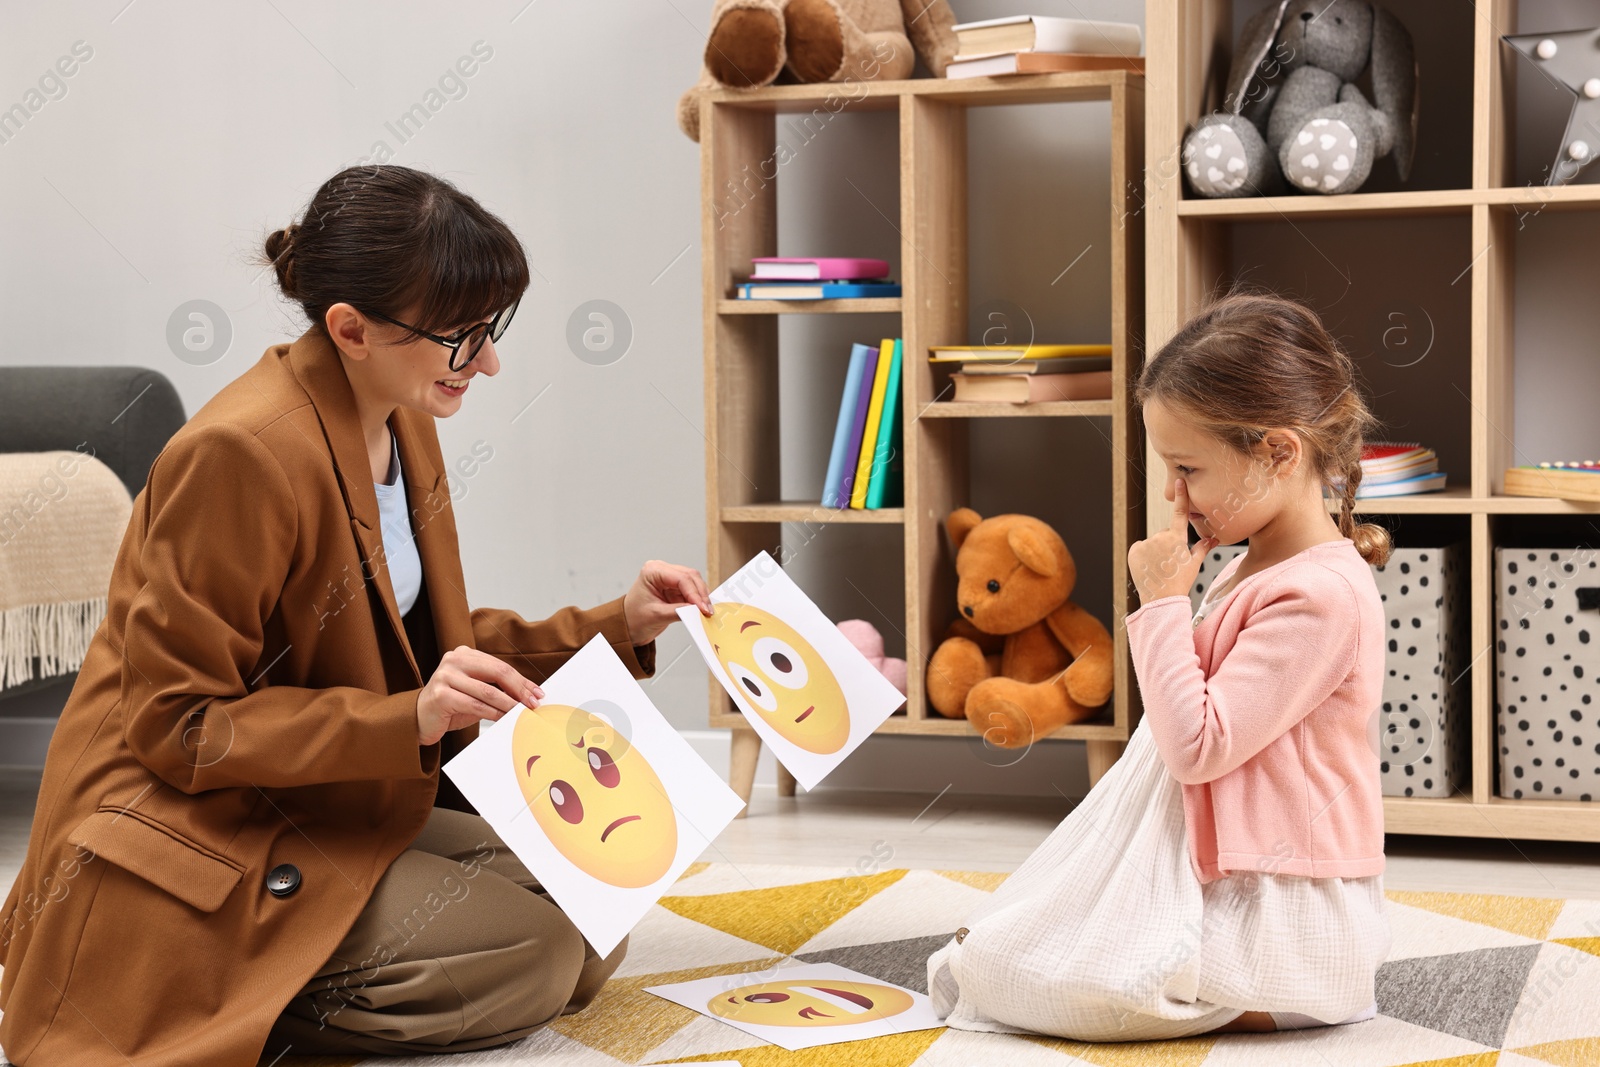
(1530, 505)
(1458, 500)
(802, 511)
(951, 409)
(1347, 205)
(1404, 203)
(886, 94)
(853, 305)
(1451, 500)
(1538, 820)
(1558, 197)
(942, 727)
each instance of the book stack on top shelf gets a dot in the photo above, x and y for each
(1039, 44)
(865, 465)
(824, 278)
(1396, 468)
(1026, 374)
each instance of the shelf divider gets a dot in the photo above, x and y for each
(933, 258)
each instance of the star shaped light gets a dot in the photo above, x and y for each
(1570, 58)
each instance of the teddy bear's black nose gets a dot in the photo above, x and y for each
(967, 611)
(1305, 16)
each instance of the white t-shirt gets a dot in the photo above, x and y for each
(399, 544)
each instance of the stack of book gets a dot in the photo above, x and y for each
(822, 278)
(1036, 44)
(1396, 468)
(1566, 479)
(866, 468)
(1026, 374)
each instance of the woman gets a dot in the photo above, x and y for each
(237, 834)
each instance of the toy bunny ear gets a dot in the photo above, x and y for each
(959, 524)
(1033, 551)
(1394, 84)
(1254, 43)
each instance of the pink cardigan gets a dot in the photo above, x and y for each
(1262, 713)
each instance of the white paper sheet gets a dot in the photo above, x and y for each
(805, 689)
(805, 1005)
(598, 796)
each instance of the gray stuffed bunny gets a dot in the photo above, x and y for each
(1293, 117)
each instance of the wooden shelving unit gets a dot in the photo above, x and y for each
(741, 349)
(1189, 251)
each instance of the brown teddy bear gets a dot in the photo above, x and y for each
(1022, 659)
(752, 42)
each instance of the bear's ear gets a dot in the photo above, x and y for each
(1033, 551)
(960, 523)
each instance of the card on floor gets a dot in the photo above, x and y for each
(802, 685)
(805, 1005)
(595, 792)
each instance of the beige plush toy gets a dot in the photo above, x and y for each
(1021, 659)
(753, 42)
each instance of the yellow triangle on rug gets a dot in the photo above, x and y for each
(988, 881)
(626, 1022)
(1526, 916)
(899, 1050)
(1581, 1052)
(1590, 945)
(1190, 1052)
(786, 917)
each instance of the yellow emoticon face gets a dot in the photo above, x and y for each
(781, 675)
(594, 795)
(821, 1003)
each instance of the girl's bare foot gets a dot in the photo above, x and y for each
(1251, 1022)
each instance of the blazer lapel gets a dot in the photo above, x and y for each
(316, 364)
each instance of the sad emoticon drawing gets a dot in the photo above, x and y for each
(594, 795)
(781, 675)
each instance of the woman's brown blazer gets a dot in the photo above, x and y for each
(238, 762)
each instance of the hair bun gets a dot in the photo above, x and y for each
(280, 253)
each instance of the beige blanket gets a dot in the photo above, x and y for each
(62, 517)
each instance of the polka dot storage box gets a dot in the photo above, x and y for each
(1421, 730)
(1426, 722)
(1547, 672)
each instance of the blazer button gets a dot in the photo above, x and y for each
(283, 879)
(961, 935)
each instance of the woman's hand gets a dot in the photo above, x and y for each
(467, 686)
(1164, 565)
(652, 604)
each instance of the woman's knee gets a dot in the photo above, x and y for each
(596, 971)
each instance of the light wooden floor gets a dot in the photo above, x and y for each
(838, 828)
(857, 831)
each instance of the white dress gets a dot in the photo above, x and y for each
(1105, 934)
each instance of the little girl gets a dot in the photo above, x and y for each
(1226, 874)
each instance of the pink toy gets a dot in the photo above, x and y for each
(869, 642)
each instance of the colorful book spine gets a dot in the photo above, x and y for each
(888, 445)
(858, 423)
(869, 435)
(816, 290)
(831, 496)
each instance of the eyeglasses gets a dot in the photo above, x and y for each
(495, 328)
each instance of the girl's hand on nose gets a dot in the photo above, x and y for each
(1163, 564)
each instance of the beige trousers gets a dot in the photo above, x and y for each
(459, 948)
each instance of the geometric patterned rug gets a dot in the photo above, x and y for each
(1471, 981)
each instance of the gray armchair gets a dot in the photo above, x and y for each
(126, 416)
